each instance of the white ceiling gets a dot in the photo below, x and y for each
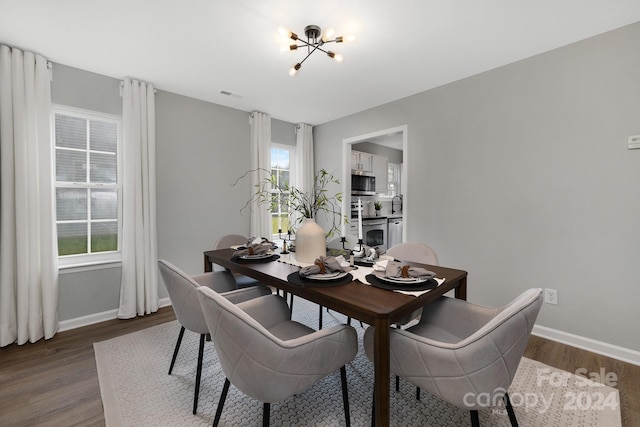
(201, 47)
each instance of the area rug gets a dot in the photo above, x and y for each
(136, 390)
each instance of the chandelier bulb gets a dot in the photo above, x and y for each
(293, 70)
(335, 56)
(328, 34)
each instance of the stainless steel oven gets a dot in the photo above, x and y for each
(374, 232)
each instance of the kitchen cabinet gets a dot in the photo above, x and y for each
(381, 172)
(361, 161)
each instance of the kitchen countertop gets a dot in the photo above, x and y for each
(390, 216)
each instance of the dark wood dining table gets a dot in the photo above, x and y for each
(374, 306)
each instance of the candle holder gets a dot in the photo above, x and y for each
(343, 239)
(284, 242)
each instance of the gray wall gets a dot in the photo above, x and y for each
(521, 176)
(202, 149)
(283, 132)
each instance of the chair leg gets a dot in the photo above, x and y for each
(417, 393)
(290, 305)
(223, 397)
(475, 420)
(175, 351)
(266, 414)
(373, 410)
(397, 383)
(345, 395)
(198, 373)
(320, 318)
(512, 415)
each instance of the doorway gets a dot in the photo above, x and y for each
(396, 138)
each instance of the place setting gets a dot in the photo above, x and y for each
(396, 275)
(326, 271)
(255, 250)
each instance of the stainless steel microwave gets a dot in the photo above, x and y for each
(363, 183)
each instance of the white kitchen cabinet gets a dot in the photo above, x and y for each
(381, 172)
(361, 161)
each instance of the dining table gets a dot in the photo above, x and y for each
(377, 307)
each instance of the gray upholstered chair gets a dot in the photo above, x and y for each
(459, 350)
(184, 298)
(414, 252)
(269, 357)
(227, 241)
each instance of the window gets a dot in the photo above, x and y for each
(282, 159)
(394, 179)
(88, 187)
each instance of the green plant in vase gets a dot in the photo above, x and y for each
(377, 206)
(317, 203)
(304, 208)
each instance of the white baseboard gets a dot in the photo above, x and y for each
(594, 346)
(92, 319)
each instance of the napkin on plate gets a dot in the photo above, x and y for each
(254, 247)
(397, 269)
(325, 265)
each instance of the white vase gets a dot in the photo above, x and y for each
(311, 241)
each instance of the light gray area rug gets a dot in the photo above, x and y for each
(136, 390)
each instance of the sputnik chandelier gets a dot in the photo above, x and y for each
(315, 41)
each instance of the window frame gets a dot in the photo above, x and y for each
(96, 258)
(292, 168)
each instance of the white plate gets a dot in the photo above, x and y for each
(403, 280)
(328, 276)
(257, 256)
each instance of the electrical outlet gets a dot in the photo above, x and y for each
(551, 296)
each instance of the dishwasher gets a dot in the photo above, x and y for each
(394, 230)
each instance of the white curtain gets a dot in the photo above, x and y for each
(304, 154)
(304, 176)
(28, 245)
(139, 285)
(261, 164)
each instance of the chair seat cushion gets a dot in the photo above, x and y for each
(245, 281)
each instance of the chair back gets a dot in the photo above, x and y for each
(229, 240)
(413, 252)
(183, 294)
(260, 364)
(506, 335)
(484, 362)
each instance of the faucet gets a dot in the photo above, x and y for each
(394, 197)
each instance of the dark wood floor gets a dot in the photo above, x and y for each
(55, 383)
